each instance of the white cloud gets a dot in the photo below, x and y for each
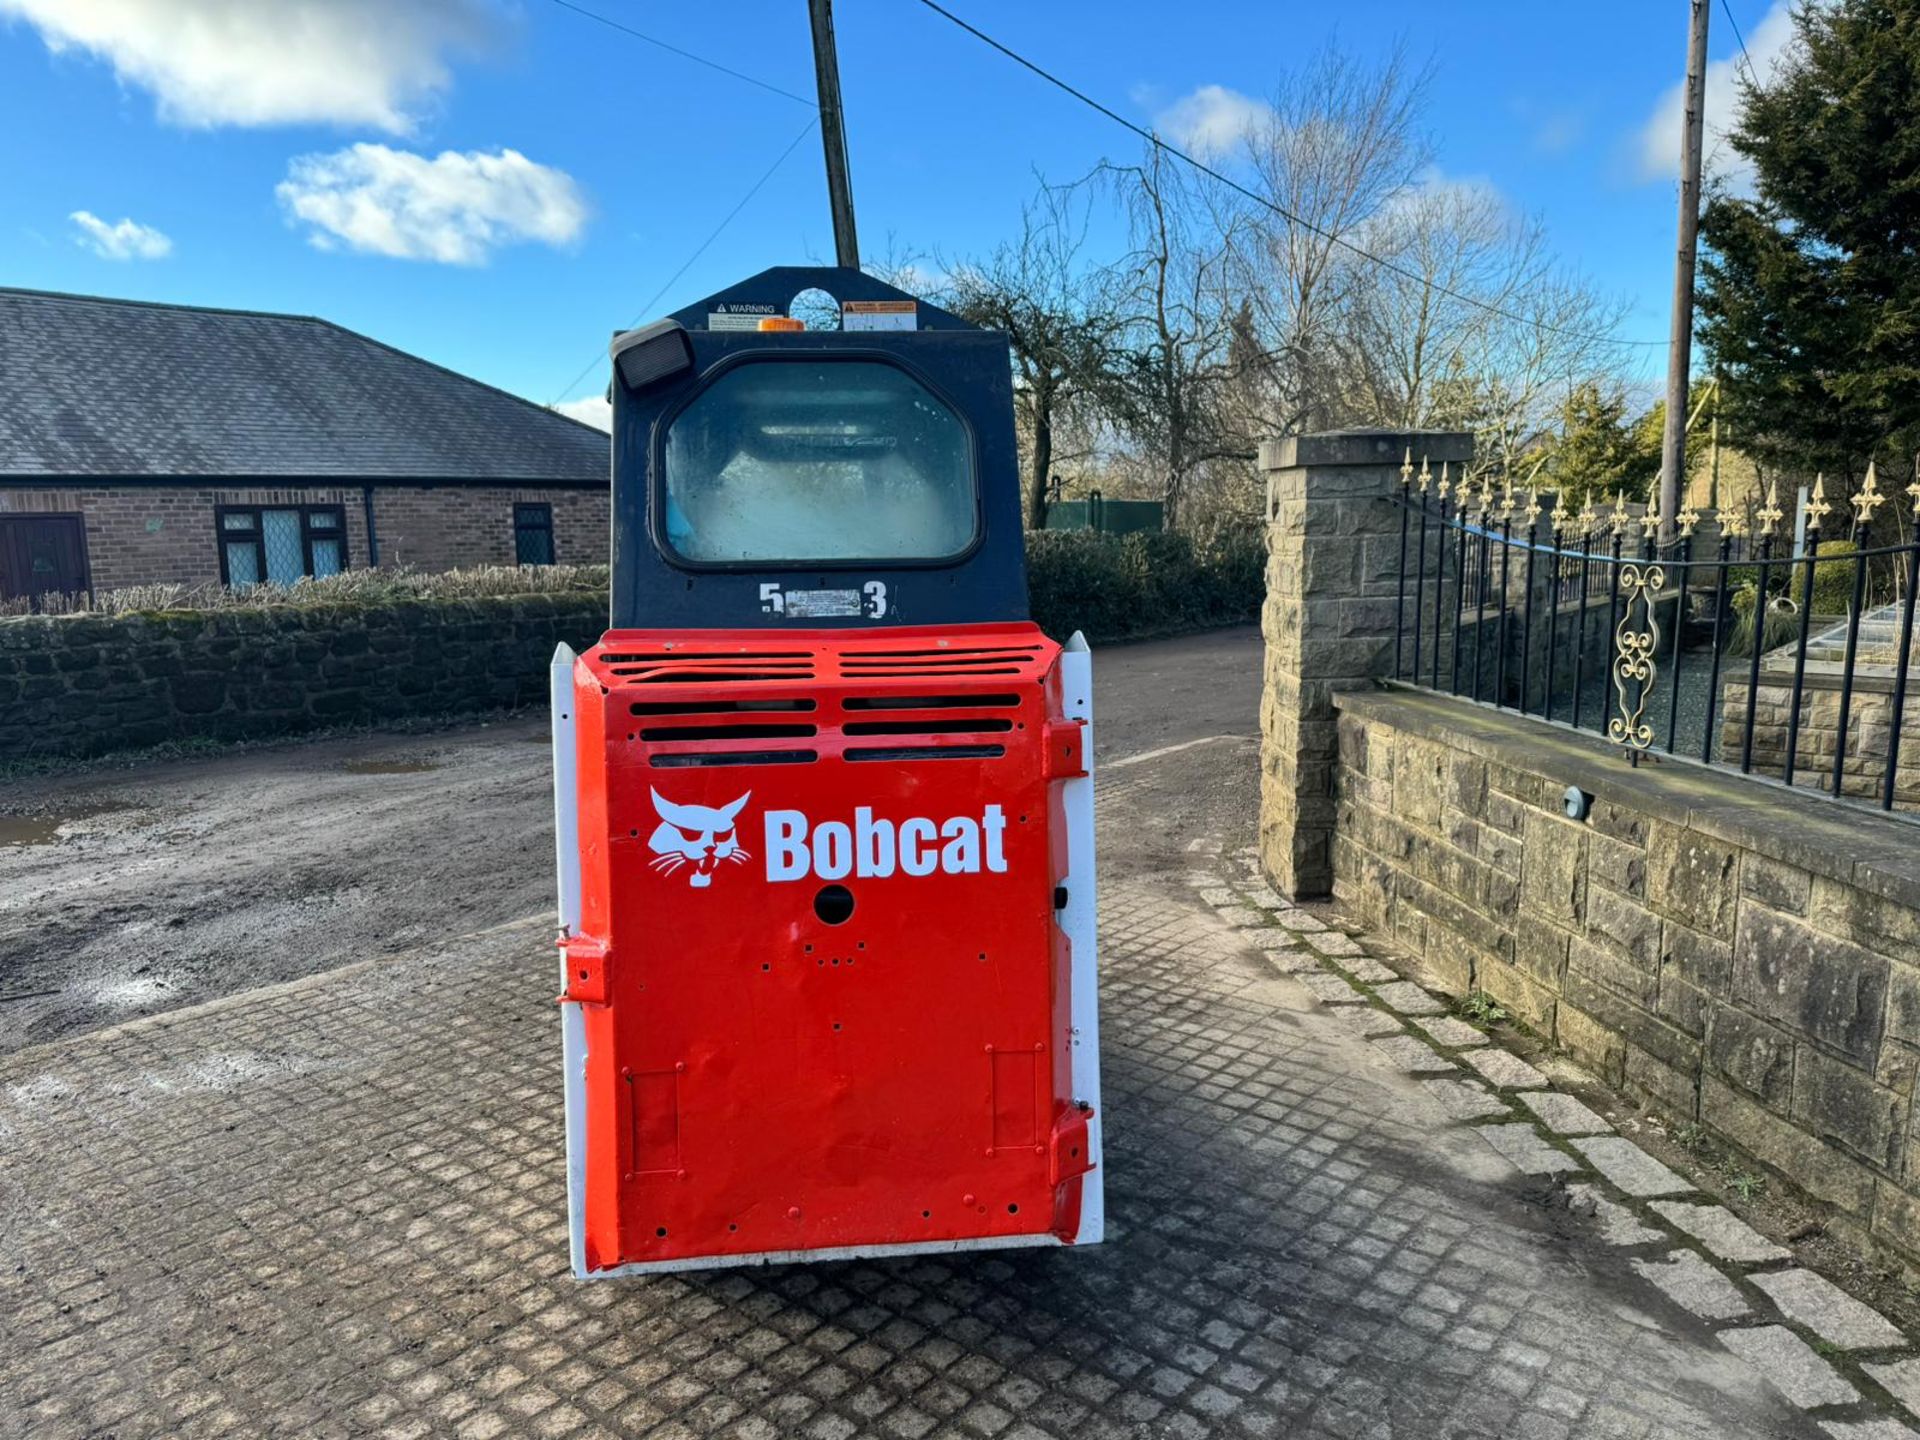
(1212, 120)
(453, 208)
(127, 240)
(1559, 133)
(1659, 144)
(1456, 189)
(592, 410)
(271, 62)
(1470, 205)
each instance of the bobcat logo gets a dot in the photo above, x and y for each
(698, 835)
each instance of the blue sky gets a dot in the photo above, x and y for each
(497, 185)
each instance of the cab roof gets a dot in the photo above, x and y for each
(777, 287)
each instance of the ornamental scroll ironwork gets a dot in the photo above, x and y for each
(1634, 646)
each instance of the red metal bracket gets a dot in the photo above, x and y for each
(1068, 1154)
(588, 961)
(1066, 750)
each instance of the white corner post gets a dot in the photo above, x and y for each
(1079, 919)
(573, 1028)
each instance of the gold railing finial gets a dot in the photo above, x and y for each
(1769, 514)
(1869, 499)
(1446, 483)
(1426, 475)
(1817, 506)
(1913, 490)
(1621, 519)
(1406, 470)
(1532, 512)
(1689, 521)
(1733, 523)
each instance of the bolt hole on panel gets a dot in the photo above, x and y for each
(823, 812)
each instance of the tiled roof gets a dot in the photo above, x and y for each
(95, 387)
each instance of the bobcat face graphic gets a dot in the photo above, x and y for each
(696, 835)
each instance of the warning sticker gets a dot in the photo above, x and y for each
(740, 315)
(880, 315)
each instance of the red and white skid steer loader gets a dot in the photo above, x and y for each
(824, 809)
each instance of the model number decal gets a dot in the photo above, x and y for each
(870, 601)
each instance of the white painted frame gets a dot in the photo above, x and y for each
(573, 1025)
(1076, 919)
(1079, 919)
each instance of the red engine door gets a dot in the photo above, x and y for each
(822, 967)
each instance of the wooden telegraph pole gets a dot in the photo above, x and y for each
(1673, 439)
(833, 134)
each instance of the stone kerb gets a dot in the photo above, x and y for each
(1333, 557)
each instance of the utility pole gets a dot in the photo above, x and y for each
(833, 134)
(1713, 483)
(1673, 439)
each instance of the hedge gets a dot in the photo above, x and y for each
(1110, 587)
(1134, 586)
(374, 647)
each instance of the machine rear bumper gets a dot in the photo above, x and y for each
(798, 1257)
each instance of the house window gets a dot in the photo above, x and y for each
(280, 544)
(533, 534)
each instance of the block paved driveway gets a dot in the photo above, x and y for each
(335, 1208)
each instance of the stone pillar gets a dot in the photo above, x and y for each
(1333, 556)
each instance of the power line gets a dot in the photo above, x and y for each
(1152, 139)
(674, 278)
(624, 29)
(1727, 10)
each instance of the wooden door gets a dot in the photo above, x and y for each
(42, 553)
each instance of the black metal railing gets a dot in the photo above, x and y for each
(1783, 652)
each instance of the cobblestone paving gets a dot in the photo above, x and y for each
(336, 1209)
(1722, 1271)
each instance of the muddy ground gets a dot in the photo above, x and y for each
(126, 891)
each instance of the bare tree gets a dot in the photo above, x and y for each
(1338, 145)
(1170, 384)
(1238, 316)
(1408, 327)
(1040, 290)
(1343, 282)
(1475, 323)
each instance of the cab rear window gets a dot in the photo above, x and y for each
(818, 460)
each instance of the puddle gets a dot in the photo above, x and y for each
(388, 767)
(17, 830)
(130, 992)
(29, 829)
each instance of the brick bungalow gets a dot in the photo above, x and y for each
(144, 443)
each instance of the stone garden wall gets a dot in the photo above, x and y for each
(1734, 954)
(1869, 729)
(80, 685)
